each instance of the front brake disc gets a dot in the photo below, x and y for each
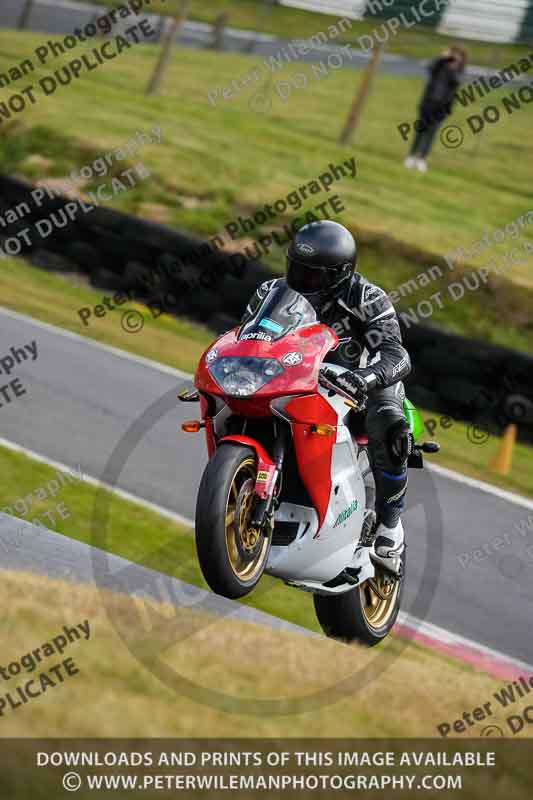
(247, 539)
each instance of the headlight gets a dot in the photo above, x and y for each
(242, 377)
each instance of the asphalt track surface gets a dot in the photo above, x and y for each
(64, 16)
(82, 400)
(66, 559)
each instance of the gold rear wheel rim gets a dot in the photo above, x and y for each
(378, 599)
(245, 570)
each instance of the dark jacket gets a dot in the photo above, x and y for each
(365, 321)
(441, 87)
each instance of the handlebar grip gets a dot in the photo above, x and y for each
(352, 404)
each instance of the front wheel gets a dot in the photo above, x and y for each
(232, 553)
(365, 614)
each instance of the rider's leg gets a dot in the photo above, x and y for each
(385, 420)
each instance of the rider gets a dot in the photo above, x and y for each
(321, 266)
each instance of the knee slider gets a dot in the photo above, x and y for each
(399, 442)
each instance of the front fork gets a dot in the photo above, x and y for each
(268, 471)
(267, 481)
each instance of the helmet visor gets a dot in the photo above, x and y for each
(307, 279)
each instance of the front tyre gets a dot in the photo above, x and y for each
(365, 614)
(232, 554)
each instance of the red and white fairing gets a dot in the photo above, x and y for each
(328, 464)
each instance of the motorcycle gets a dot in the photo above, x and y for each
(288, 489)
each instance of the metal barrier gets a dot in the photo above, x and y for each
(510, 21)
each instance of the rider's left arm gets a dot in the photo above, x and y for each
(388, 360)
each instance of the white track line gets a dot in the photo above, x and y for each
(455, 640)
(165, 512)
(77, 337)
(509, 497)
(432, 632)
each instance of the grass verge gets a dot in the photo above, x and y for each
(460, 453)
(279, 20)
(218, 163)
(55, 299)
(133, 532)
(235, 658)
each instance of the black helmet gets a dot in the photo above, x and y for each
(321, 257)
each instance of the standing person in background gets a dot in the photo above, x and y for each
(436, 104)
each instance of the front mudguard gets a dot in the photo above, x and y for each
(266, 468)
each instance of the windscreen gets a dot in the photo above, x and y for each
(281, 312)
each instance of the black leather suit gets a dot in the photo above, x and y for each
(365, 321)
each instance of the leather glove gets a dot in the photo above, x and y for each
(400, 441)
(349, 382)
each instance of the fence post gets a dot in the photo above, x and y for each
(360, 98)
(218, 31)
(167, 48)
(264, 10)
(25, 15)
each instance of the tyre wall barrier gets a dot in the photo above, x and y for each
(177, 272)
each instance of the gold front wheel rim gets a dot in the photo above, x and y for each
(245, 570)
(378, 600)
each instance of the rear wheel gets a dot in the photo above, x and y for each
(365, 614)
(232, 553)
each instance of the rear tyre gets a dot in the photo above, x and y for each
(365, 614)
(232, 554)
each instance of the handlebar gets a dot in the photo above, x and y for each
(348, 399)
